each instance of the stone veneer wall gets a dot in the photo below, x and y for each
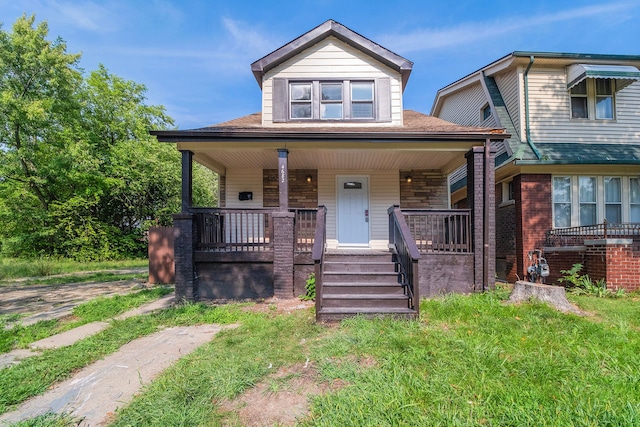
(302, 194)
(427, 190)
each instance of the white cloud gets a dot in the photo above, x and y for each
(86, 16)
(427, 39)
(248, 39)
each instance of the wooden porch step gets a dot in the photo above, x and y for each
(363, 288)
(335, 314)
(383, 266)
(360, 276)
(380, 301)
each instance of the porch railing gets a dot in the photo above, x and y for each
(440, 230)
(305, 228)
(408, 256)
(233, 230)
(572, 236)
(317, 253)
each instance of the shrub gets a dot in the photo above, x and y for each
(583, 285)
(311, 289)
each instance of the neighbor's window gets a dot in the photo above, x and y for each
(604, 98)
(579, 105)
(634, 199)
(486, 112)
(593, 98)
(300, 100)
(362, 100)
(588, 207)
(331, 100)
(562, 201)
(613, 199)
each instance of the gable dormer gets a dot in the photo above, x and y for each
(332, 76)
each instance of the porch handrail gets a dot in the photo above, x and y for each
(446, 230)
(576, 235)
(403, 244)
(233, 229)
(317, 253)
(305, 225)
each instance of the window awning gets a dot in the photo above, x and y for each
(623, 74)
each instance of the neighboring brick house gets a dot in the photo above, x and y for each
(568, 179)
(328, 169)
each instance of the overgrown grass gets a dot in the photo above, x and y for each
(471, 360)
(36, 374)
(11, 268)
(82, 278)
(101, 308)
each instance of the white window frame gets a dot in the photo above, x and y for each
(346, 102)
(592, 99)
(485, 112)
(574, 198)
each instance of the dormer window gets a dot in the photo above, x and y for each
(300, 100)
(331, 100)
(593, 98)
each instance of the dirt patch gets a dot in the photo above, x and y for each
(279, 305)
(281, 399)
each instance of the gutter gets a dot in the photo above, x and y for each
(526, 108)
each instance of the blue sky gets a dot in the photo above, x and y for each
(194, 56)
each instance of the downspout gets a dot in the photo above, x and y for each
(526, 108)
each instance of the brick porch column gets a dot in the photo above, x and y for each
(481, 201)
(283, 254)
(186, 286)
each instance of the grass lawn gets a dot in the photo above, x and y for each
(11, 268)
(469, 361)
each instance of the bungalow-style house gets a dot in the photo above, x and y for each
(333, 178)
(568, 178)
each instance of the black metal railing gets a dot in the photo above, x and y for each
(408, 256)
(573, 236)
(233, 230)
(440, 230)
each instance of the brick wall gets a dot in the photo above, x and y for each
(617, 261)
(302, 194)
(427, 190)
(532, 194)
(505, 237)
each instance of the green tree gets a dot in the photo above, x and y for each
(80, 176)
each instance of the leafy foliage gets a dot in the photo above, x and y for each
(310, 286)
(80, 176)
(583, 285)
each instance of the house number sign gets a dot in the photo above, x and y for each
(283, 174)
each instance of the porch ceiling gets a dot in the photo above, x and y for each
(443, 158)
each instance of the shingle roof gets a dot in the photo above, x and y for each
(580, 153)
(413, 122)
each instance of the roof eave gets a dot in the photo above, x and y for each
(326, 29)
(193, 136)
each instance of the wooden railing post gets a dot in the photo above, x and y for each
(317, 254)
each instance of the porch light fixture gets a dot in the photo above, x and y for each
(408, 179)
(309, 178)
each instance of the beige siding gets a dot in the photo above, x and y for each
(384, 191)
(463, 107)
(551, 116)
(238, 180)
(332, 59)
(509, 86)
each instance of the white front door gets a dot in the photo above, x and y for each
(353, 211)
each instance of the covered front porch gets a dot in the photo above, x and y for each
(235, 252)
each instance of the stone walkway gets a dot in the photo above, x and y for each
(93, 394)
